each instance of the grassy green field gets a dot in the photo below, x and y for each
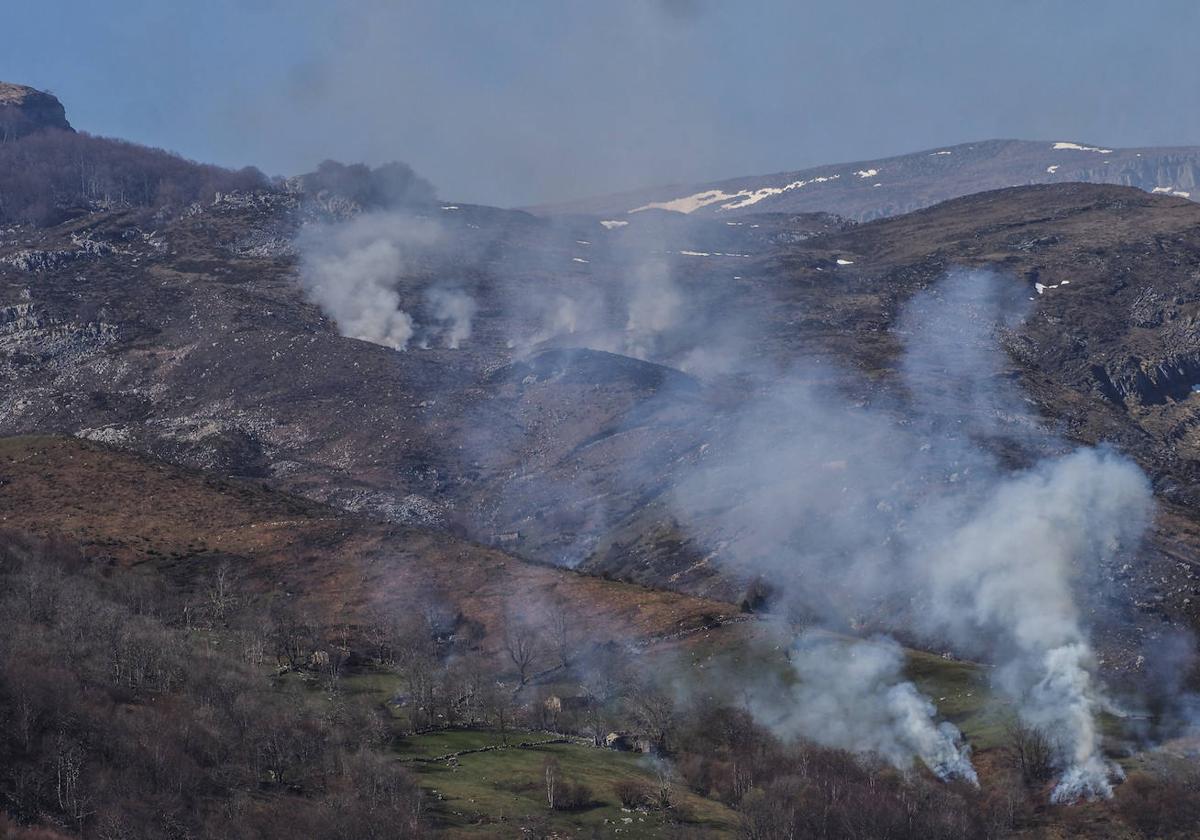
(961, 693)
(490, 794)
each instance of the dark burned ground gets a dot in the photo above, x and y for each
(188, 339)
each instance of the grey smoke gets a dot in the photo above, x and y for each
(655, 308)
(360, 272)
(454, 309)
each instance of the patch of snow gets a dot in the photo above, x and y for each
(1181, 193)
(1060, 146)
(733, 201)
(1042, 287)
(696, 253)
(578, 259)
(582, 242)
(450, 207)
(867, 173)
(845, 262)
(1052, 169)
(1161, 190)
(877, 185)
(943, 152)
(609, 224)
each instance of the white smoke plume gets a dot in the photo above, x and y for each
(351, 270)
(455, 309)
(852, 695)
(886, 511)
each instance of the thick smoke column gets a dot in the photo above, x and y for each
(852, 695)
(351, 271)
(1006, 573)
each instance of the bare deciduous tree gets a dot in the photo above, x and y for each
(1032, 752)
(522, 646)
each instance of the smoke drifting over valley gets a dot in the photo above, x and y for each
(735, 443)
(944, 513)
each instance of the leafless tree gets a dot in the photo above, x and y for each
(1032, 752)
(522, 645)
(220, 591)
(562, 629)
(654, 711)
(550, 774)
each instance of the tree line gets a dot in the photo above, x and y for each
(49, 176)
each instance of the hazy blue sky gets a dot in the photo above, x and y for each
(511, 102)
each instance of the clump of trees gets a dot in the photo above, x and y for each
(50, 175)
(1162, 801)
(119, 720)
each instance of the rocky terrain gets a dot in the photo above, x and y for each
(189, 338)
(871, 189)
(24, 110)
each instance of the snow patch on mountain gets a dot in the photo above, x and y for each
(1062, 145)
(733, 201)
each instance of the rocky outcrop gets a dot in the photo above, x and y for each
(25, 110)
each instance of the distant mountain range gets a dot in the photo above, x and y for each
(872, 189)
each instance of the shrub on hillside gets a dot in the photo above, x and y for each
(633, 793)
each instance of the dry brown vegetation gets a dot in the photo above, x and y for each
(131, 511)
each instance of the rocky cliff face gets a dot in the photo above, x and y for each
(25, 110)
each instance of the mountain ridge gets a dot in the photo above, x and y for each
(868, 189)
